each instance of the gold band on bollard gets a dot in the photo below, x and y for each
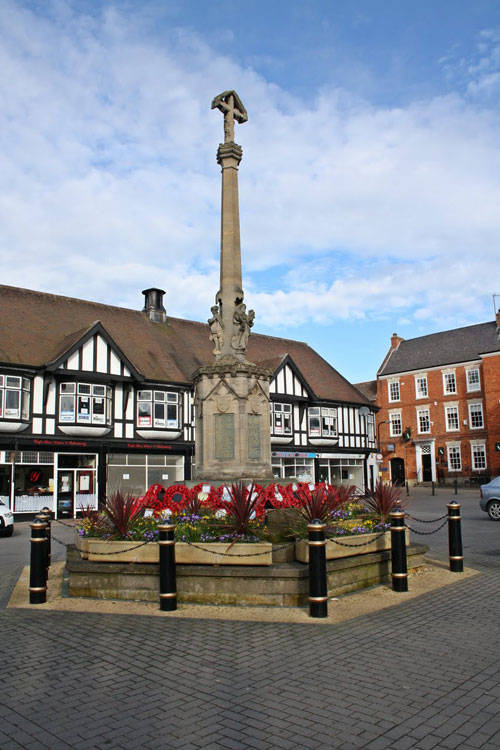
(456, 557)
(399, 575)
(38, 539)
(397, 528)
(318, 598)
(317, 544)
(168, 596)
(454, 518)
(39, 588)
(167, 541)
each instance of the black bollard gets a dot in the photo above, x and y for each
(398, 551)
(407, 488)
(455, 538)
(168, 583)
(38, 563)
(455, 484)
(433, 489)
(318, 586)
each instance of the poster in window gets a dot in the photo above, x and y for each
(144, 418)
(12, 399)
(98, 412)
(67, 409)
(83, 409)
(84, 482)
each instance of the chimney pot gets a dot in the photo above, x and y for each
(396, 340)
(153, 305)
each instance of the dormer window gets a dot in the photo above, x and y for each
(158, 409)
(85, 403)
(14, 397)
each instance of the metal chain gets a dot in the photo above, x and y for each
(426, 533)
(363, 544)
(421, 520)
(229, 554)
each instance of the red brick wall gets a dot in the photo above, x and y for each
(436, 402)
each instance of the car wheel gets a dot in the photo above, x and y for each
(8, 531)
(494, 510)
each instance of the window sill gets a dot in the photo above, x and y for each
(84, 430)
(13, 426)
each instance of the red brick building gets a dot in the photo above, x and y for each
(439, 400)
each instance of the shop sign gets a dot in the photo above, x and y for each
(142, 446)
(285, 454)
(62, 443)
(390, 447)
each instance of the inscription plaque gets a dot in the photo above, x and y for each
(224, 436)
(254, 437)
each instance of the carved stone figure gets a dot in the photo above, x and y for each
(242, 322)
(232, 108)
(216, 329)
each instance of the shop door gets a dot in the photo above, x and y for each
(65, 493)
(398, 471)
(426, 468)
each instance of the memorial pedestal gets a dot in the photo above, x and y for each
(232, 422)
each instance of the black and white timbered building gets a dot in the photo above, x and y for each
(94, 398)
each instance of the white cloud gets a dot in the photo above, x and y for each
(109, 182)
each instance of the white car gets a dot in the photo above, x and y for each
(6, 520)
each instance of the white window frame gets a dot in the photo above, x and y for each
(447, 375)
(85, 403)
(474, 449)
(476, 385)
(421, 380)
(454, 451)
(477, 407)
(281, 418)
(326, 417)
(21, 387)
(394, 391)
(449, 409)
(395, 419)
(370, 427)
(157, 400)
(427, 413)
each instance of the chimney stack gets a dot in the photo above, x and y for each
(153, 305)
(396, 340)
(498, 323)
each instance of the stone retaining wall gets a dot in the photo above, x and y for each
(283, 584)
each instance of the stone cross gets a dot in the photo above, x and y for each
(229, 103)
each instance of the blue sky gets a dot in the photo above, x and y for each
(369, 186)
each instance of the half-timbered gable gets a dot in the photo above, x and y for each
(95, 398)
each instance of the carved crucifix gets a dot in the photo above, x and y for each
(232, 108)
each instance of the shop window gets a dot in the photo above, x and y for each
(322, 422)
(85, 403)
(158, 409)
(281, 418)
(14, 397)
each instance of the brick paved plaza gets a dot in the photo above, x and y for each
(421, 675)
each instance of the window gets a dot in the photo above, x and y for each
(395, 424)
(84, 403)
(449, 382)
(322, 422)
(157, 409)
(14, 397)
(394, 394)
(293, 468)
(478, 457)
(476, 416)
(454, 458)
(473, 380)
(423, 420)
(421, 386)
(451, 418)
(281, 418)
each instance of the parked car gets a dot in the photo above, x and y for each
(490, 498)
(6, 520)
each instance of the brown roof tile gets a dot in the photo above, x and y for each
(37, 328)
